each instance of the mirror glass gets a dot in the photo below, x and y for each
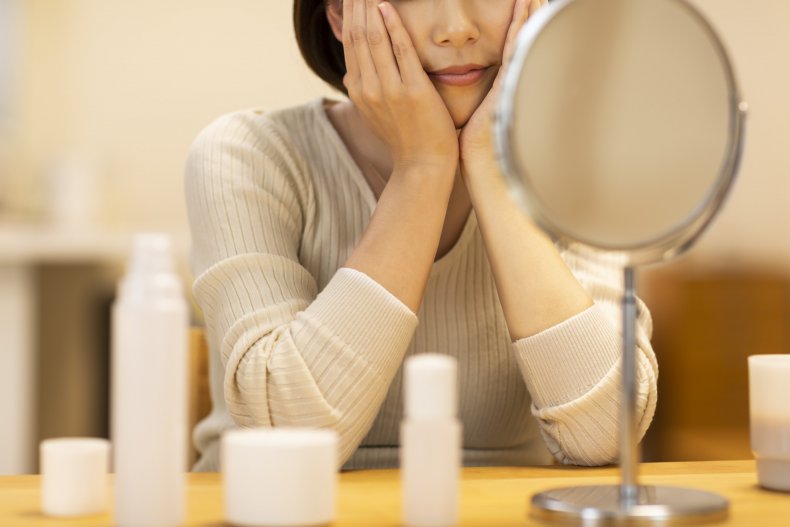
(619, 124)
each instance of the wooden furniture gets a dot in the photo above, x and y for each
(490, 496)
(706, 323)
(43, 388)
(199, 396)
(56, 282)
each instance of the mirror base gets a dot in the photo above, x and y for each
(601, 505)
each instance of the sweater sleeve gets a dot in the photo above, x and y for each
(572, 370)
(293, 356)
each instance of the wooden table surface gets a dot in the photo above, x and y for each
(491, 496)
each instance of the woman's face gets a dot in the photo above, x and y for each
(460, 44)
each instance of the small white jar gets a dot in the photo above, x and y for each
(279, 476)
(74, 476)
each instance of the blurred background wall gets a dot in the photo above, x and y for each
(121, 88)
(100, 100)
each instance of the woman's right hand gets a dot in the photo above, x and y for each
(387, 83)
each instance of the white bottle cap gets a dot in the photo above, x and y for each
(151, 271)
(279, 476)
(151, 253)
(430, 386)
(74, 476)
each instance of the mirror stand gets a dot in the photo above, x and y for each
(628, 502)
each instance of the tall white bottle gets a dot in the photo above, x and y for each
(430, 442)
(149, 374)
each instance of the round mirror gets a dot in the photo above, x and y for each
(620, 124)
(620, 127)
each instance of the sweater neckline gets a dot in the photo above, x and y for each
(319, 108)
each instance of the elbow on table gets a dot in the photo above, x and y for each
(593, 446)
(591, 455)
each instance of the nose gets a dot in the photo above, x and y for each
(456, 23)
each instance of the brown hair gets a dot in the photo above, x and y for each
(322, 52)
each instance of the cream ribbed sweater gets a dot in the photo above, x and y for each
(276, 206)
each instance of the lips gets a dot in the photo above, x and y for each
(459, 75)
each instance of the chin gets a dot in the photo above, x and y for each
(462, 104)
(461, 116)
(461, 113)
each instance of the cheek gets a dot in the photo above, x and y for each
(500, 24)
(413, 15)
(494, 19)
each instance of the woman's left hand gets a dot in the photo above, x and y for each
(476, 139)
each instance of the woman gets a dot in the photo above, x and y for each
(334, 239)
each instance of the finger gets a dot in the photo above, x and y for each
(520, 15)
(352, 70)
(380, 46)
(359, 35)
(411, 70)
(534, 6)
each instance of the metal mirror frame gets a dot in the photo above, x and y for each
(628, 502)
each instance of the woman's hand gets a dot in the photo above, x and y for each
(476, 139)
(387, 83)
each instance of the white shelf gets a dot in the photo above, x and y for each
(22, 244)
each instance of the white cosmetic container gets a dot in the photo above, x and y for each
(74, 476)
(149, 368)
(279, 476)
(430, 442)
(769, 413)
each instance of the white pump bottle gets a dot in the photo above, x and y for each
(149, 368)
(430, 442)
